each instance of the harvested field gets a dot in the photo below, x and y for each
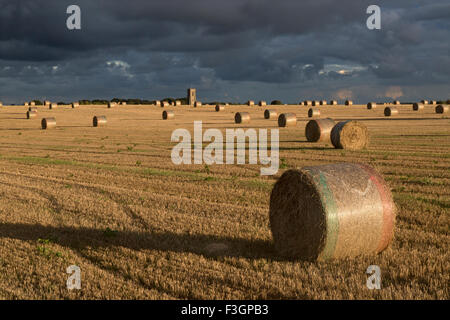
(111, 201)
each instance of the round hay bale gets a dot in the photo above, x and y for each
(348, 102)
(270, 114)
(26, 104)
(197, 104)
(47, 103)
(1, 104)
(168, 115)
(319, 130)
(48, 123)
(390, 111)
(99, 121)
(433, 102)
(31, 114)
(262, 103)
(111, 105)
(123, 103)
(32, 109)
(220, 108)
(250, 103)
(333, 211)
(396, 102)
(157, 103)
(442, 109)
(53, 106)
(242, 117)
(351, 135)
(165, 104)
(316, 103)
(424, 101)
(177, 103)
(323, 103)
(333, 102)
(313, 112)
(75, 105)
(371, 105)
(287, 120)
(32, 103)
(418, 106)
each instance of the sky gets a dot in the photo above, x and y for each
(233, 50)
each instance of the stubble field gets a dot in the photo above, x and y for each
(110, 201)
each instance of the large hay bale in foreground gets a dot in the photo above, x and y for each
(99, 121)
(270, 114)
(242, 117)
(313, 112)
(390, 111)
(48, 123)
(220, 108)
(330, 212)
(287, 120)
(168, 115)
(319, 130)
(31, 114)
(351, 135)
(371, 105)
(442, 109)
(418, 106)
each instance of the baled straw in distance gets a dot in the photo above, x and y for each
(270, 114)
(99, 121)
(168, 115)
(351, 135)
(319, 130)
(242, 117)
(442, 109)
(390, 111)
(48, 123)
(287, 120)
(313, 112)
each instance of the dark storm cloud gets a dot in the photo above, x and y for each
(288, 49)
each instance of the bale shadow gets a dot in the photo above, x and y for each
(80, 238)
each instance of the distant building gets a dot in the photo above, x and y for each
(191, 96)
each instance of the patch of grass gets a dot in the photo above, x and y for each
(283, 163)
